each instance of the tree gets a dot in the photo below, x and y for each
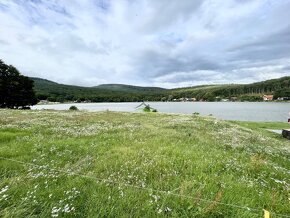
(15, 90)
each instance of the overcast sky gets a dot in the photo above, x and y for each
(166, 43)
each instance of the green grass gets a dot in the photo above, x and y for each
(263, 125)
(109, 164)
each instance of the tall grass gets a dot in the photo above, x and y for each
(107, 164)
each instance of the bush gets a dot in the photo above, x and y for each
(154, 110)
(73, 108)
(147, 108)
(196, 113)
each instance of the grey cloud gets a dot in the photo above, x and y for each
(67, 45)
(178, 77)
(157, 64)
(280, 38)
(286, 69)
(167, 12)
(3, 42)
(3, 7)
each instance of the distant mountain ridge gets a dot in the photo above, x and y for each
(52, 91)
(113, 87)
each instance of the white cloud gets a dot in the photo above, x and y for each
(165, 43)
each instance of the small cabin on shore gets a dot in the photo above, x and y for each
(268, 97)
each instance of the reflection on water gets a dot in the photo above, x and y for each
(247, 111)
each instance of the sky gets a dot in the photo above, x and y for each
(165, 43)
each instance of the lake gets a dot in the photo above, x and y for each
(243, 111)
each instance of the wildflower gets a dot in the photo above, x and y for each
(4, 197)
(54, 211)
(4, 189)
(167, 209)
(66, 208)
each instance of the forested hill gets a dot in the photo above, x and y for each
(48, 90)
(250, 92)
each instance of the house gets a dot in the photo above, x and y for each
(268, 97)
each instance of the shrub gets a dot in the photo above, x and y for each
(73, 108)
(147, 108)
(196, 113)
(154, 110)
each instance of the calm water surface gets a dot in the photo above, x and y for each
(244, 111)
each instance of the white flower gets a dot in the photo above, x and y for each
(66, 209)
(4, 189)
(54, 211)
(167, 209)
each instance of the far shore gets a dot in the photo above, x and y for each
(71, 102)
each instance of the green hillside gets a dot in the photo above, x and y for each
(252, 92)
(48, 90)
(52, 91)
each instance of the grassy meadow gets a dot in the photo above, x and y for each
(112, 164)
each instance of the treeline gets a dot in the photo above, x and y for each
(47, 90)
(16, 91)
(99, 97)
(249, 92)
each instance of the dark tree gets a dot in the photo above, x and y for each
(15, 90)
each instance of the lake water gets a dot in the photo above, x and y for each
(244, 111)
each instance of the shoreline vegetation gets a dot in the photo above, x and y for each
(72, 102)
(87, 164)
